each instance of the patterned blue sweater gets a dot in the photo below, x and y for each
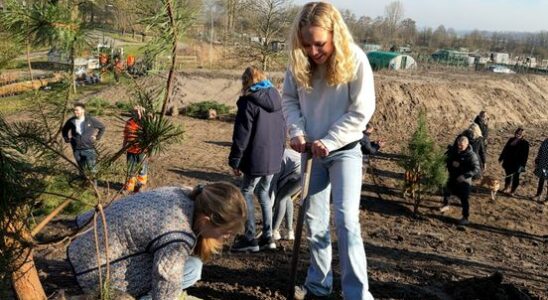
(150, 237)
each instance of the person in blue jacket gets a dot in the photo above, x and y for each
(256, 152)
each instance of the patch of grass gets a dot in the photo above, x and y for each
(124, 106)
(200, 110)
(61, 184)
(98, 106)
(14, 104)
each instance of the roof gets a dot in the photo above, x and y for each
(381, 59)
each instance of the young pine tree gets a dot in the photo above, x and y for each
(424, 164)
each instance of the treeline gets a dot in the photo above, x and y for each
(229, 20)
(395, 29)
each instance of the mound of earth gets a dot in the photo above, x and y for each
(408, 257)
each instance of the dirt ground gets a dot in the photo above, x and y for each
(502, 254)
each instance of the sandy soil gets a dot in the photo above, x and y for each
(408, 257)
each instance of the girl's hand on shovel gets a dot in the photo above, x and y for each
(298, 144)
(319, 149)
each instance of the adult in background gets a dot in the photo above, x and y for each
(367, 146)
(82, 131)
(477, 142)
(159, 239)
(541, 170)
(328, 98)
(257, 149)
(137, 164)
(284, 185)
(514, 159)
(482, 119)
(462, 165)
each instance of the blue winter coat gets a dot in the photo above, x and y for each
(259, 134)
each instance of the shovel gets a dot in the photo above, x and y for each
(300, 223)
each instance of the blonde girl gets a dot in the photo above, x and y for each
(328, 98)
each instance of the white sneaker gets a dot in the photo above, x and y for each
(291, 235)
(444, 208)
(276, 235)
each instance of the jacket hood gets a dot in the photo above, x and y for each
(268, 99)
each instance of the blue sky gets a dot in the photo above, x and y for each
(492, 15)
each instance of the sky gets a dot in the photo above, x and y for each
(461, 15)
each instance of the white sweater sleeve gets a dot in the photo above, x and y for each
(291, 107)
(348, 128)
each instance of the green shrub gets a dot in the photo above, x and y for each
(97, 106)
(200, 110)
(124, 106)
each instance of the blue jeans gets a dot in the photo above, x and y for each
(86, 159)
(283, 205)
(338, 175)
(136, 162)
(261, 185)
(192, 273)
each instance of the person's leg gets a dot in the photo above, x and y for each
(284, 206)
(142, 178)
(464, 195)
(319, 279)
(192, 271)
(507, 179)
(345, 174)
(131, 180)
(515, 182)
(540, 186)
(90, 160)
(248, 186)
(278, 212)
(266, 205)
(79, 159)
(293, 187)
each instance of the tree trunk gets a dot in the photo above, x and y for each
(28, 60)
(173, 59)
(25, 280)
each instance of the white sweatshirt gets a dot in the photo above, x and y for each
(335, 115)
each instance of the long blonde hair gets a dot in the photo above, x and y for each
(341, 64)
(475, 131)
(225, 206)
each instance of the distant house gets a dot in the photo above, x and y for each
(500, 58)
(450, 57)
(371, 47)
(277, 46)
(390, 60)
(404, 49)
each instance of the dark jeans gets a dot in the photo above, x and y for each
(86, 159)
(512, 177)
(540, 187)
(462, 191)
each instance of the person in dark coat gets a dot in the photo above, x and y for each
(82, 131)
(541, 169)
(257, 150)
(462, 164)
(514, 159)
(482, 121)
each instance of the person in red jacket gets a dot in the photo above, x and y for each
(136, 157)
